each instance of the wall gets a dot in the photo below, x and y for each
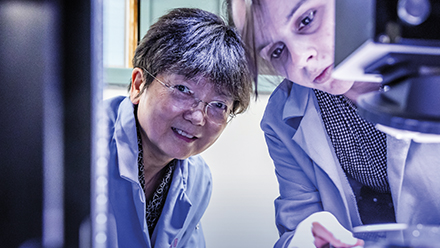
(241, 212)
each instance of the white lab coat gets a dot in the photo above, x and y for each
(310, 176)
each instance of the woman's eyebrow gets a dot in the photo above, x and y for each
(291, 13)
(262, 46)
(295, 8)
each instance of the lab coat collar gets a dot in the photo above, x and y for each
(296, 104)
(126, 141)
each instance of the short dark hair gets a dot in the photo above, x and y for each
(196, 43)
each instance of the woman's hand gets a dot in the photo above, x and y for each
(324, 237)
(321, 230)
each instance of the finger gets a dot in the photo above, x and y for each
(324, 236)
(321, 233)
(321, 243)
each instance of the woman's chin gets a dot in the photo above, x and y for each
(336, 87)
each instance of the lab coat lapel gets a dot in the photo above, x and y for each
(413, 178)
(312, 137)
(397, 151)
(126, 142)
(175, 211)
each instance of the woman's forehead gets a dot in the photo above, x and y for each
(239, 13)
(277, 11)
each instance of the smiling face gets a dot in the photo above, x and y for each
(169, 131)
(297, 38)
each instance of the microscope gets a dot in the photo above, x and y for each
(395, 43)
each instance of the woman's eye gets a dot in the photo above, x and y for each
(277, 52)
(305, 21)
(219, 105)
(183, 89)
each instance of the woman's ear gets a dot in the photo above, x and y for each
(137, 79)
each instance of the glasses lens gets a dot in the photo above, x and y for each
(217, 112)
(181, 98)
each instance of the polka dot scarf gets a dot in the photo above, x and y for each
(155, 205)
(359, 146)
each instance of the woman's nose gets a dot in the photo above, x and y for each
(196, 115)
(302, 54)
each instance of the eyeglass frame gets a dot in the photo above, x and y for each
(197, 101)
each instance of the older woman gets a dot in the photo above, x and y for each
(190, 78)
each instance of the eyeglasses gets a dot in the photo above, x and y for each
(183, 97)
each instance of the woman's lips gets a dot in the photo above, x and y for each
(184, 135)
(324, 76)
